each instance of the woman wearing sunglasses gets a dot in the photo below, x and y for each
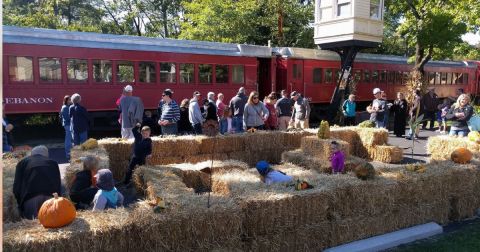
(255, 113)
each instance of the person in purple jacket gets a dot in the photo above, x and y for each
(337, 158)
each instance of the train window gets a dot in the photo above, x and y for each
(437, 78)
(338, 74)
(102, 70)
(391, 77)
(147, 72)
(374, 76)
(221, 73)
(443, 79)
(77, 70)
(366, 76)
(454, 78)
(465, 78)
(431, 78)
(317, 75)
(125, 71)
(238, 76)
(20, 68)
(168, 73)
(398, 78)
(449, 78)
(295, 70)
(343, 8)
(375, 10)
(406, 76)
(328, 75)
(186, 73)
(50, 69)
(383, 76)
(358, 75)
(205, 73)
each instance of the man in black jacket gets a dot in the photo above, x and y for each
(36, 178)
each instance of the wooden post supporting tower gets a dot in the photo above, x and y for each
(346, 27)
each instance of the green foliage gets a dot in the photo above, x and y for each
(434, 27)
(366, 124)
(284, 22)
(324, 130)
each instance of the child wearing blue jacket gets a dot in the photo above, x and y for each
(349, 107)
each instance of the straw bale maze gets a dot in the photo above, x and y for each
(247, 215)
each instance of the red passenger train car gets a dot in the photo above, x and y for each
(43, 65)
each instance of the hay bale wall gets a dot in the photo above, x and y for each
(10, 208)
(320, 148)
(248, 215)
(441, 147)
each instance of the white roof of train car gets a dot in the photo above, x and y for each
(303, 53)
(40, 36)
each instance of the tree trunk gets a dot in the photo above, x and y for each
(165, 20)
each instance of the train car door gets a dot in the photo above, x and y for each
(266, 76)
(296, 76)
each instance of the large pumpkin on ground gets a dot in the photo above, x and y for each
(474, 136)
(364, 171)
(56, 212)
(461, 155)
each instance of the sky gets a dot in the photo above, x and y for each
(471, 38)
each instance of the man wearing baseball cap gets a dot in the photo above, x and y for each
(131, 108)
(301, 111)
(377, 109)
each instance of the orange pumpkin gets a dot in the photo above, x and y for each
(56, 212)
(461, 155)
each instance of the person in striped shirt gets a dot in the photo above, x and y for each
(170, 114)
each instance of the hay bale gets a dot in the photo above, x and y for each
(385, 153)
(348, 135)
(293, 139)
(320, 148)
(262, 140)
(175, 146)
(300, 158)
(10, 207)
(372, 136)
(441, 147)
(221, 143)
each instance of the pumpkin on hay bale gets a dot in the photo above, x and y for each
(441, 147)
(461, 155)
(323, 130)
(364, 171)
(474, 136)
(56, 212)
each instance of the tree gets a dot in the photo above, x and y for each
(283, 22)
(55, 14)
(434, 27)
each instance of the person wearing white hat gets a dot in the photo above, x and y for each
(131, 109)
(377, 109)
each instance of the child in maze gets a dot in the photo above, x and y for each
(270, 176)
(107, 195)
(142, 148)
(337, 158)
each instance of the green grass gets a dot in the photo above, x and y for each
(467, 238)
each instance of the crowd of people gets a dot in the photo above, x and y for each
(455, 109)
(196, 116)
(37, 177)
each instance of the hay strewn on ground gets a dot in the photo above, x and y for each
(441, 147)
(246, 214)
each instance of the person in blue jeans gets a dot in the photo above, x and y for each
(65, 117)
(79, 120)
(237, 105)
(460, 114)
